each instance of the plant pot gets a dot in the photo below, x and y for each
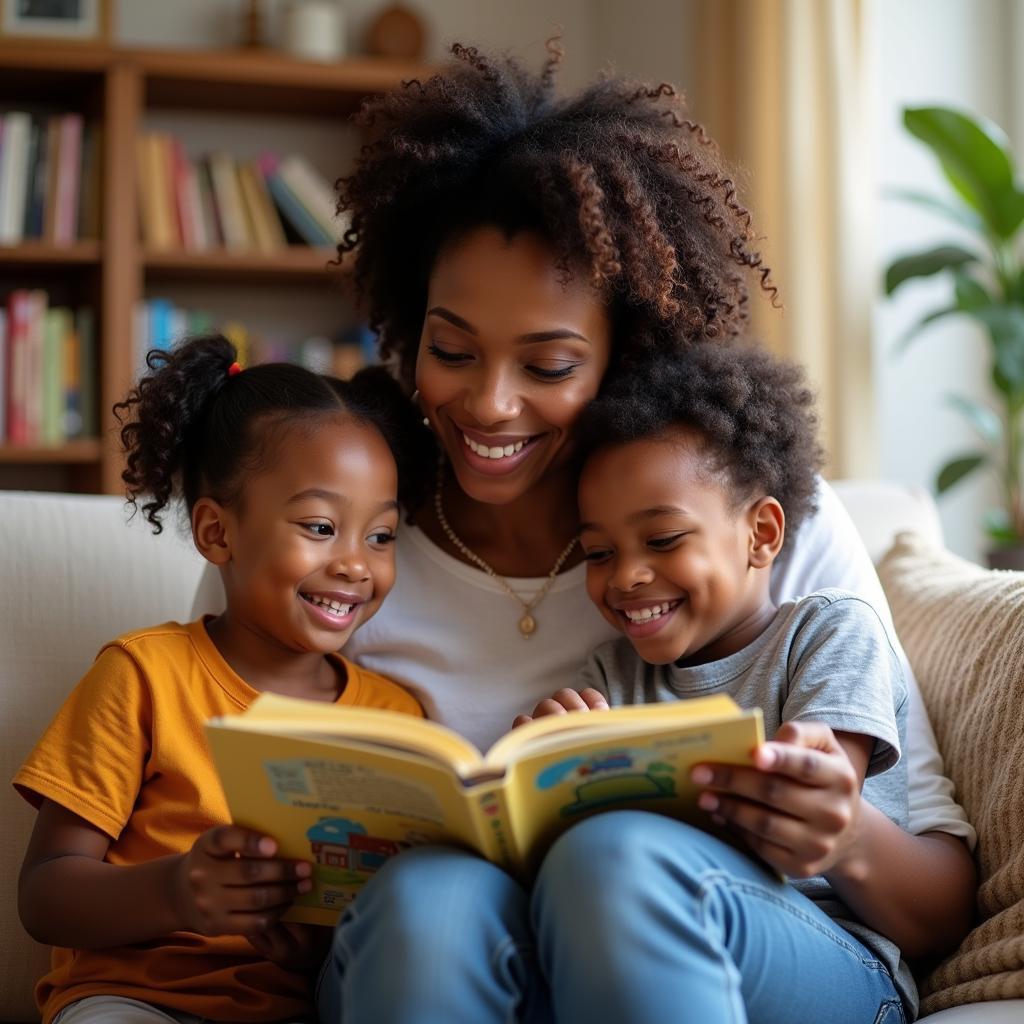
(1010, 557)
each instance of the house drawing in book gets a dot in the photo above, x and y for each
(344, 845)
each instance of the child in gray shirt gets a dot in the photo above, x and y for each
(694, 476)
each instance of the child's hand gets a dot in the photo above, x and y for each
(566, 700)
(230, 883)
(798, 808)
(295, 947)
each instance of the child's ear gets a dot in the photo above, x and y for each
(767, 532)
(210, 531)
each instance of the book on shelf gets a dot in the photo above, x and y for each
(298, 217)
(49, 167)
(15, 175)
(49, 377)
(348, 787)
(314, 193)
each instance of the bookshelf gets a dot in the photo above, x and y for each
(118, 89)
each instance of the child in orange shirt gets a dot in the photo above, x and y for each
(160, 909)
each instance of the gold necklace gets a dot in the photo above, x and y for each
(527, 623)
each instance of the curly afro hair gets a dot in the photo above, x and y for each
(754, 415)
(192, 427)
(627, 190)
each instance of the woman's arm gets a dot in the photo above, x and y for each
(228, 883)
(917, 889)
(800, 809)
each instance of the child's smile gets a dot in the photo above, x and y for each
(311, 542)
(668, 552)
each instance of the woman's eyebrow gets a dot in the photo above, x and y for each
(559, 334)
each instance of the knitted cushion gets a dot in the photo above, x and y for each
(963, 630)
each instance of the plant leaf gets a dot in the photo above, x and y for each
(903, 341)
(976, 158)
(999, 528)
(956, 469)
(986, 422)
(1005, 323)
(924, 264)
(962, 215)
(971, 294)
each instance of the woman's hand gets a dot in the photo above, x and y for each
(564, 701)
(295, 947)
(230, 883)
(798, 808)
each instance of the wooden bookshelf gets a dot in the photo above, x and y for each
(115, 88)
(297, 263)
(71, 453)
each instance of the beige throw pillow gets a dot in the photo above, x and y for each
(963, 630)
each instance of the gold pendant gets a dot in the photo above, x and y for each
(527, 626)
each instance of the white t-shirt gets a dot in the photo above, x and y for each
(450, 633)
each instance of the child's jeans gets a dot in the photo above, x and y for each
(634, 917)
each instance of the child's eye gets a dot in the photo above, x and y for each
(661, 543)
(318, 529)
(596, 555)
(381, 537)
(546, 374)
(452, 358)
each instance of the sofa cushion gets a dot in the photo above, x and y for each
(963, 630)
(74, 575)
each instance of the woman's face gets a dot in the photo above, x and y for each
(509, 355)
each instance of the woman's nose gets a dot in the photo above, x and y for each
(491, 399)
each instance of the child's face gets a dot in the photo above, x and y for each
(668, 557)
(312, 539)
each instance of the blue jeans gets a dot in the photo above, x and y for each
(634, 917)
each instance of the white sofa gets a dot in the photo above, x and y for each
(73, 575)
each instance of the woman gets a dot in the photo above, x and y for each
(515, 252)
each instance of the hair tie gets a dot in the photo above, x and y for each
(233, 369)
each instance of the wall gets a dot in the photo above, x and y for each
(930, 52)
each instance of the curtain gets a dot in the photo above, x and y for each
(783, 86)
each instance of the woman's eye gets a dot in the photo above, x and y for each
(661, 543)
(447, 357)
(381, 537)
(319, 529)
(548, 374)
(596, 555)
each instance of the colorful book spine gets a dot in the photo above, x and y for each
(69, 179)
(315, 194)
(4, 364)
(301, 220)
(88, 372)
(14, 176)
(228, 197)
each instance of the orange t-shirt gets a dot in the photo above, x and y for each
(127, 753)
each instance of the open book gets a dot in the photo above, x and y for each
(346, 787)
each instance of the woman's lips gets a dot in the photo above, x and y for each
(494, 455)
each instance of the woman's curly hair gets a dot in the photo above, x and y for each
(191, 428)
(753, 414)
(624, 186)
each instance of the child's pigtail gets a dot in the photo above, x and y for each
(162, 419)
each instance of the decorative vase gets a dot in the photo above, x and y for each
(314, 30)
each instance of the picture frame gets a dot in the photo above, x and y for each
(64, 21)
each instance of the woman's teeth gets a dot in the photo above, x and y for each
(335, 607)
(497, 452)
(646, 614)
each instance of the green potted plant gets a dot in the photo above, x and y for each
(986, 278)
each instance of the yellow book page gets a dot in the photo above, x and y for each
(346, 813)
(271, 712)
(549, 732)
(592, 771)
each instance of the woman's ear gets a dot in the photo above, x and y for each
(767, 532)
(210, 531)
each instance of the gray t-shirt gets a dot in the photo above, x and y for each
(825, 658)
